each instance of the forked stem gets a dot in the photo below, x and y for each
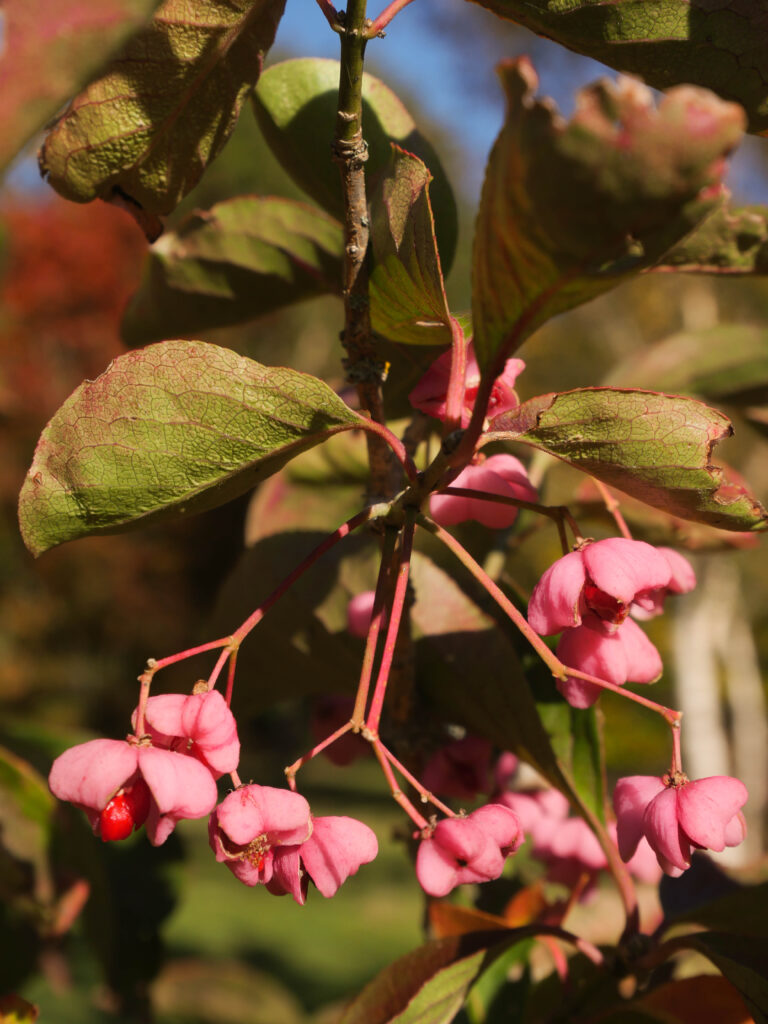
(393, 625)
(379, 24)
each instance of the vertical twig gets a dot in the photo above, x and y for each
(350, 151)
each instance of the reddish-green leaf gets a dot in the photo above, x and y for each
(730, 241)
(41, 69)
(175, 428)
(240, 259)
(654, 447)
(426, 986)
(725, 363)
(720, 45)
(408, 302)
(295, 104)
(569, 209)
(742, 959)
(144, 133)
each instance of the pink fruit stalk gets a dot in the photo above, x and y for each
(359, 612)
(430, 393)
(471, 849)
(677, 816)
(121, 784)
(498, 474)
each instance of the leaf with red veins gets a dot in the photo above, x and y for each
(175, 428)
(655, 447)
(570, 209)
(146, 130)
(71, 40)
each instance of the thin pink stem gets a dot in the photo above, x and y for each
(220, 663)
(292, 769)
(393, 628)
(613, 507)
(556, 667)
(424, 793)
(235, 780)
(343, 531)
(394, 443)
(670, 715)
(330, 13)
(156, 665)
(383, 586)
(558, 513)
(418, 819)
(457, 381)
(379, 24)
(231, 677)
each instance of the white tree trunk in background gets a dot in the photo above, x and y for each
(718, 678)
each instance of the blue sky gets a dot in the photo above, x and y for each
(457, 88)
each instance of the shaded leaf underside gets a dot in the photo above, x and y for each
(242, 258)
(408, 302)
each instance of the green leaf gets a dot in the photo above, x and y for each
(428, 985)
(576, 740)
(570, 209)
(40, 70)
(295, 104)
(725, 363)
(742, 959)
(144, 133)
(667, 42)
(655, 447)
(26, 810)
(172, 429)
(408, 302)
(730, 241)
(240, 259)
